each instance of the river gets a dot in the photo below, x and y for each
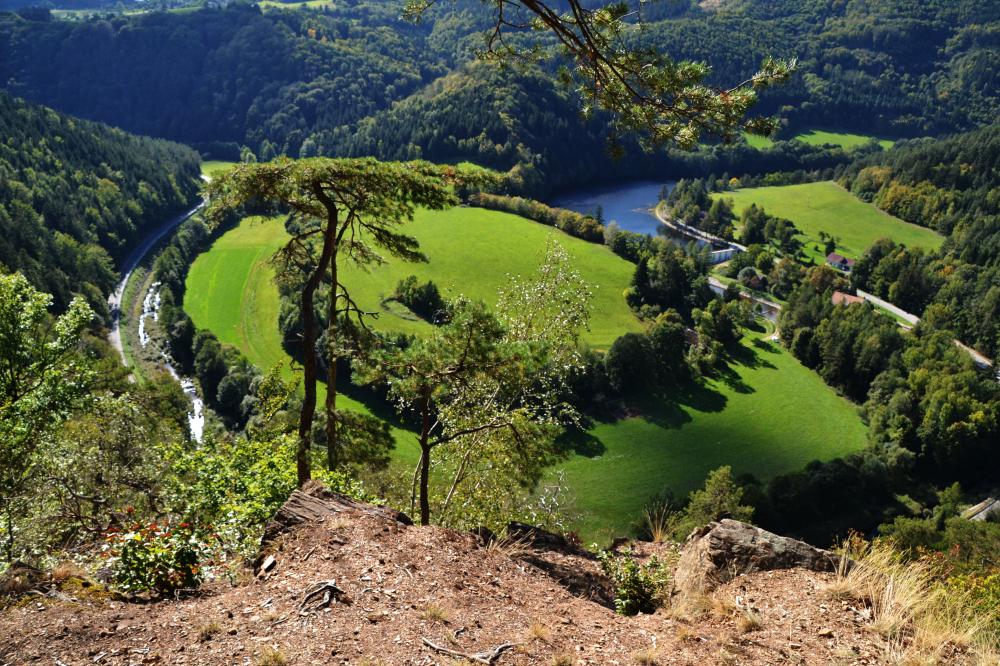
(629, 204)
(196, 417)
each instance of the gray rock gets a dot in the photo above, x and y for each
(720, 551)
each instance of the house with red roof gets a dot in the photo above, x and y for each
(842, 264)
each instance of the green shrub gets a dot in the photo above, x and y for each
(980, 592)
(638, 588)
(157, 558)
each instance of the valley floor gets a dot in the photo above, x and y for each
(827, 207)
(766, 415)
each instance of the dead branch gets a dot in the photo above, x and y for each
(321, 595)
(487, 658)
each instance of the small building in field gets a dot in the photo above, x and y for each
(842, 264)
(841, 298)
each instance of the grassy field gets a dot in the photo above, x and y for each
(842, 139)
(230, 289)
(492, 246)
(307, 4)
(758, 142)
(743, 418)
(826, 206)
(211, 167)
(767, 415)
(821, 137)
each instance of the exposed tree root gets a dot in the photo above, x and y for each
(479, 657)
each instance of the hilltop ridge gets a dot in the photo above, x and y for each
(391, 593)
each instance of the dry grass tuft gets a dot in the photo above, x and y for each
(508, 547)
(659, 522)
(208, 630)
(539, 632)
(691, 607)
(271, 657)
(65, 571)
(725, 657)
(722, 607)
(435, 613)
(686, 633)
(749, 621)
(563, 659)
(645, 658)
(909, 607)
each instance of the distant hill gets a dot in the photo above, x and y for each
(351, 77)
(75, 195)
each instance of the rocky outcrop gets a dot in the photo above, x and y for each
(314, 502)
(720, 551)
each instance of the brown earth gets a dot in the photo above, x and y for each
(407, 585)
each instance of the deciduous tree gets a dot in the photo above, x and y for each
(487, 388)
(40, 380)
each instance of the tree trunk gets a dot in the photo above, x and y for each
(332, 338)
(310, 334)
(425, 463)
(10, 533)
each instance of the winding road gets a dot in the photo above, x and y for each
(131, 261)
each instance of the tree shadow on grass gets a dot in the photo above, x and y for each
(732, 379)
(766, 346)
(375, 403)
(581, 443)
(671, 408)
(751, 356)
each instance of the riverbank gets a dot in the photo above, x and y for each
(133, 297)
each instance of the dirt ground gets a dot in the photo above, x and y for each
(412, 594)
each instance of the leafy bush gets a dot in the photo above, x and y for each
(981, 593)
(424, 300)
(639, 588)
(157, 558)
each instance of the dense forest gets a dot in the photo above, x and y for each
(356, 80)
(898, 67)
(953, 186)
(197, 76)
(74, 196)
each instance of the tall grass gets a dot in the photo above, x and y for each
(921, 619)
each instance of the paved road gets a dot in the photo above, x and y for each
(979, 359)
(899, 312)
(694, 232)
(769, 309)
(131, 261)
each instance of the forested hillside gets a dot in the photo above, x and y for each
(898, 66)
(332, 77)
(953, 186)
(199, 76)
(75, 194)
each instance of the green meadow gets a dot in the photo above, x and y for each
(845, 140)
(211, 167)
(766, 415)
(826, 206)
(307, 4)
(491, 247)
(230, 288)
(814, 137)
